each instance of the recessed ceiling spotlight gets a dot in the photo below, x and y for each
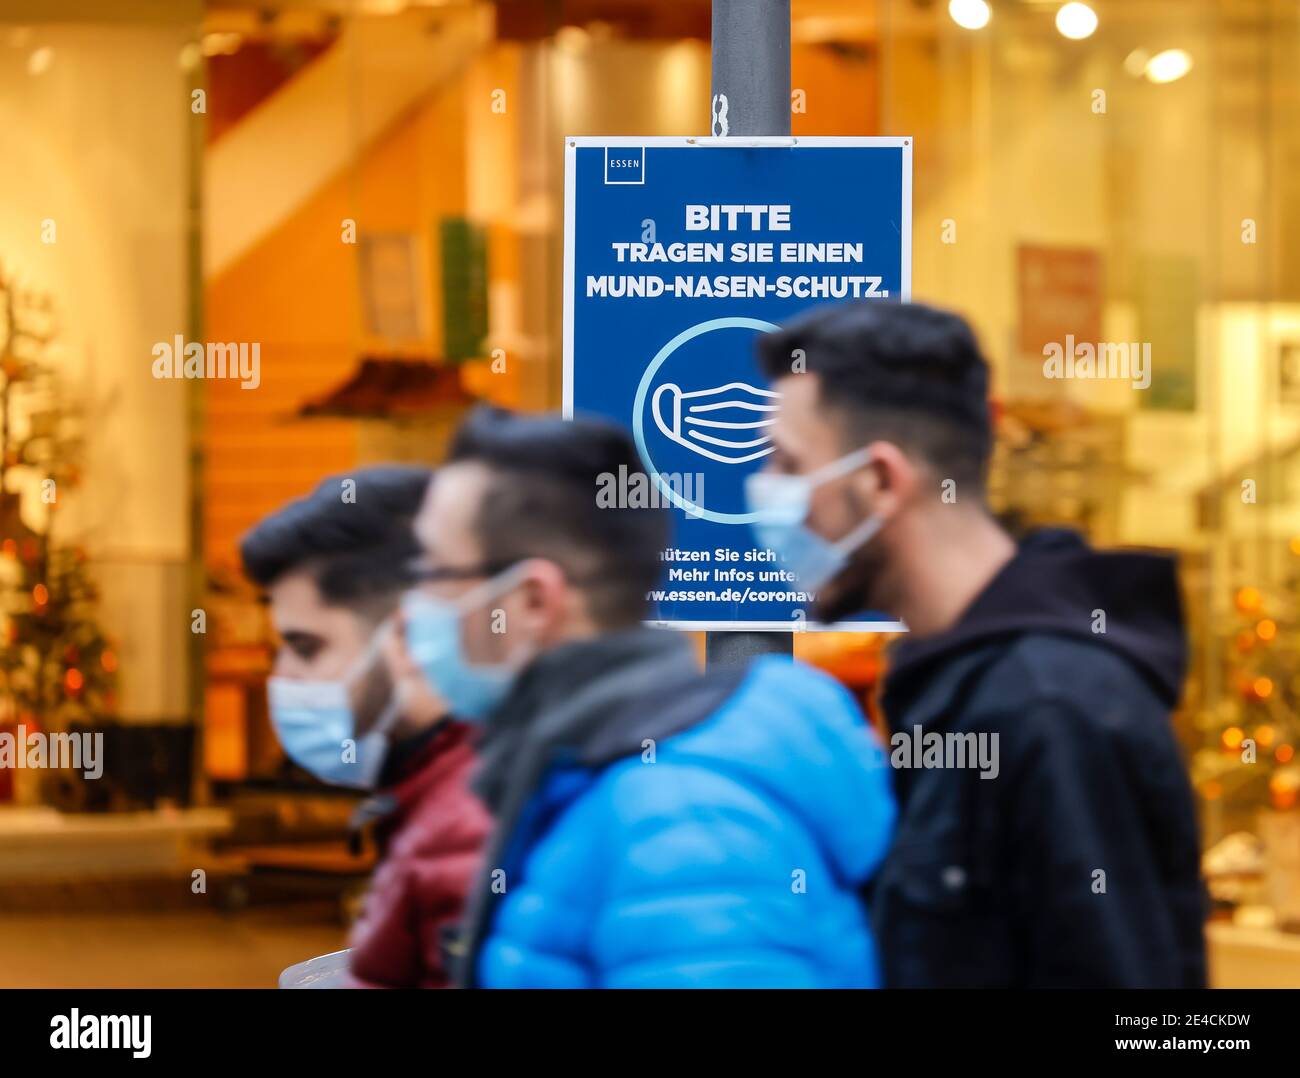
(1169, 65)
(969, 14)
(1076, 21)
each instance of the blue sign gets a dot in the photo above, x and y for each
(678, 253)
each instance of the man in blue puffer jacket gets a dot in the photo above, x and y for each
(656, 826)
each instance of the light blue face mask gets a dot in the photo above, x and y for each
(316, 725)
(471, 690)
(780, 504)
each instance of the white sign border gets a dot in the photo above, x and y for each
(571, 144)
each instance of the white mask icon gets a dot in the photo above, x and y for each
(691, 419)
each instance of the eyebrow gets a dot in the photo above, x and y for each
(298, 635)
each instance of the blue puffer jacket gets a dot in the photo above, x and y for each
(734, 859)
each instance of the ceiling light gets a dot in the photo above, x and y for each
(1076, 21)
(969, 14)
(1169, 65)
(1135, 63)
(39, 61)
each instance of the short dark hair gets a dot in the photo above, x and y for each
(902, 372)
(355, 540)
(542, 502)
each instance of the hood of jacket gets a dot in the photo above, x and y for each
(1125, 601)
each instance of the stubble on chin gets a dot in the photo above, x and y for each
(852, 592)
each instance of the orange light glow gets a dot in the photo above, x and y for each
(108, 660)
(1212, 791)
(40, 595)
(1266, 629)
(1249, 600)
(1264, 736)
(1284, 754)
(1262, 687)
(1283, 789)
(1232, 738)
(73, 681)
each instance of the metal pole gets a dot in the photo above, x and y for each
(751, 96)
(751, 67)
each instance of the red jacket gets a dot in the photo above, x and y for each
(430, 841)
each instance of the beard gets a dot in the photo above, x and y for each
(855, 589)
(371, 696)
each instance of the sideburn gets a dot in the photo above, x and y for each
(371, 695)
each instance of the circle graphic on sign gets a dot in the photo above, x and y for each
(692, 417)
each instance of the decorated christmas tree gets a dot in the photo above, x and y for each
(57, 667)
(1252, 734)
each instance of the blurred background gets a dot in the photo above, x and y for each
(371, 190)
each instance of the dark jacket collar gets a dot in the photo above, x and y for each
(407, 756)
(406, 772)
(1057, 584)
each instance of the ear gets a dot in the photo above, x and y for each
(545, 598)
(889, 479)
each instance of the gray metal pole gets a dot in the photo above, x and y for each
(751, 96)
(751, 67)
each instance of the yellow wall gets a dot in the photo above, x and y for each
(297, 292)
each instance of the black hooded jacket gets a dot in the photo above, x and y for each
(1047, 833)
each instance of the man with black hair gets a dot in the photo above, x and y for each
(656, 826)
(1070, 858)
(350, 707)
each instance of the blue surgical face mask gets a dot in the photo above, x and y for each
(471, 690)
(316, 725)
(780, 505)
